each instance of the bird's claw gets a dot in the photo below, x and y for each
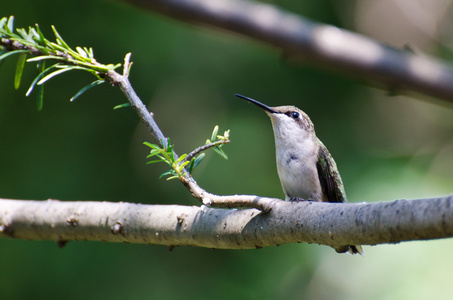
(296, 199)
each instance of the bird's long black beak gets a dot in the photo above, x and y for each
(257, 103)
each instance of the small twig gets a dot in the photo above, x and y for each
(205, 147)
(127, 65)
(15, 45)
(227, 201)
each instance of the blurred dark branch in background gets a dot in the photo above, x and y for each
(393, 69)
(331, 224)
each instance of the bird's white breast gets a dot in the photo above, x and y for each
(297, 153)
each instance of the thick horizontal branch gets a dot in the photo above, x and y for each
(296, 36)
(332, 224)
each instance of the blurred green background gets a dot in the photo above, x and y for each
(386, 148)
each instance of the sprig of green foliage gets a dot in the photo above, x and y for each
(217, 141)
(186, 162)
(33, 42)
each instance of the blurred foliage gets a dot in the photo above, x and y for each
(385, 147)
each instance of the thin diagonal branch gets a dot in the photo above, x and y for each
(189, 182)
(122, 81)
(205, 147)
(147, 117)
(321, 44)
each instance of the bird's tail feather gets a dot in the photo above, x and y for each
(357, 249)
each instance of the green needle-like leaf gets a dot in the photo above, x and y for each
(3, 22)
(181, 158)
(38, 58)
(1, 53)
(198, 159)
(42, 40)
(214, 133)
(26, 36)
(42, 72)
(60, 40)
(148, 144)
(190, 166)
(81, 51)
(85, 88)
(19, 70)
(170, 172)
(53, 74)
(5, 55)
(156, 153)
(122, 105)
(154, 147)
(183, 165)
(40, 97)
(153, 161)
(10, 25)
(220, 152)
(170, 152)
(168, 162)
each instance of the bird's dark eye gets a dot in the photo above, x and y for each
(295, 115)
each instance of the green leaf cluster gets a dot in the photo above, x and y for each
(219, 141)
(33, 43)
(167, 155)
(186, 162)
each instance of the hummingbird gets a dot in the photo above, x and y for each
(305, 167)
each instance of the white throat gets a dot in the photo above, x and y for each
(296, 153)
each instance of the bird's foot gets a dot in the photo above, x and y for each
(297, 199)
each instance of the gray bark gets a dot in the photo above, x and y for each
(331, 224)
